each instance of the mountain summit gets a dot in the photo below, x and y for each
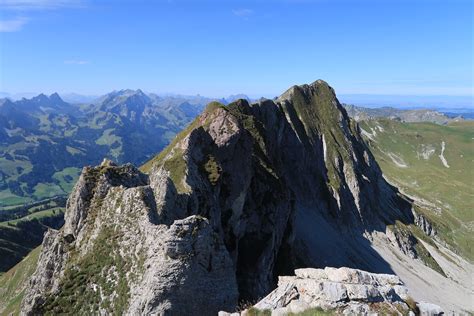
(43, 103)
(244, 194)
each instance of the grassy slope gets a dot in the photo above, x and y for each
(37, 215)
(21, 235)
(399, 148)
(14, 282)
(66, 179)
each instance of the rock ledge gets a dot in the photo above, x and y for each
(342, 290)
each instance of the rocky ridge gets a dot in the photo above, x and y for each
(246, 193)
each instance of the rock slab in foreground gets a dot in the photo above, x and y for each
(342, 290)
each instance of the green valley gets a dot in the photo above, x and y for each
(434, 165)
(45, 142)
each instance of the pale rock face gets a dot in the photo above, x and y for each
(180, 268)
(193, 274)
(48, 272)
(345, 290)
(425, 225)
(429, 309)
(223, 127)
(406, 243)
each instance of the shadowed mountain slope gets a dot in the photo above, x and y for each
(245, 193)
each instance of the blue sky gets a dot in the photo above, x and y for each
(218, 48)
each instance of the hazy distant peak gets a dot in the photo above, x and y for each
(6, 105)
(55, 99)
(418, 115)
(233, 97)
(125, 102)
(39, 98)
(43, 100)
(130, 92)
(55, 96)
(5, 101)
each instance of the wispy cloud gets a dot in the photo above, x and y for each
(76, 62)
(243, 13)
(13, 25)
(22, 7)
(27, 5)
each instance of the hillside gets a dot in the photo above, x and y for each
(13, 283)
(359, 113)
(433, 164)
(246, 193)
(21, 235)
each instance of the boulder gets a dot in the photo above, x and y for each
(429, 309)
(345, 290)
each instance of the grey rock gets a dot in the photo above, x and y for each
(348, 291)
(429, 309)
(48, 272)
(280, 297)
(196, 276)
(425, 225)
(182, 268)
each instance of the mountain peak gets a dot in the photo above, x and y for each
(5, 102)
(39, 98)
(234, 97)
(308, 89)
(56, 99)
(130, 92)
(245, 193)
(43, 100)
(319, 82)
(127, 102)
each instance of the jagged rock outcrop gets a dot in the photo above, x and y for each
(246, 193)
(343, 291)
(112, 255)
(424, 225)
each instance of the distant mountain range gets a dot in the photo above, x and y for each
(45, 141)
(405, 115)
(84, 98)
(436, 102)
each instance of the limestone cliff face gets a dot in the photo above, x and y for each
(246, 193)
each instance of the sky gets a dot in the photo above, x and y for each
(218, 48)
